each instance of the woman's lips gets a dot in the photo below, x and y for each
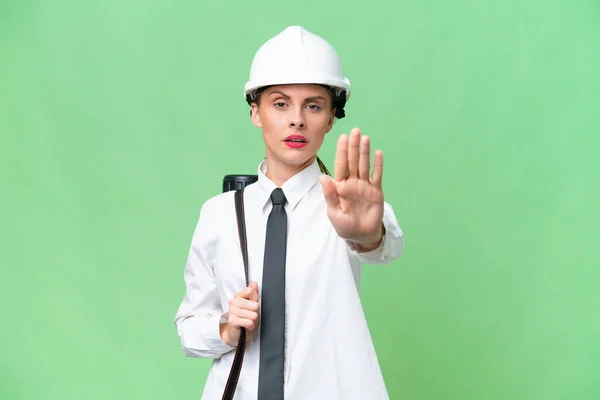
(295, 141)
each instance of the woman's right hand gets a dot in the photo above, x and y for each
(243, 313)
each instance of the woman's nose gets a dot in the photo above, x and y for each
(297, 121)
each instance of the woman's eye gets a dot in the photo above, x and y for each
(279, 104)
(314, 107)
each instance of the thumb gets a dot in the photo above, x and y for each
(254, 287)
(329, 191)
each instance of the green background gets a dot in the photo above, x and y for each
(118, 119)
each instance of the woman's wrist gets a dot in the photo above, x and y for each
(370, 244)
(224, 332)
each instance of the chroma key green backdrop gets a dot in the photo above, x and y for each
(118, 119)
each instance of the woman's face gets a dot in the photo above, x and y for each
(294, 120)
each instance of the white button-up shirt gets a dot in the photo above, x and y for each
(329, 353)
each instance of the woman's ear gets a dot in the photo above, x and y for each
(255, 115)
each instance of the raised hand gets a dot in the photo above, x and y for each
(355, 199)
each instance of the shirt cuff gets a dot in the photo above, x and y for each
(212, 333)
(391, 245)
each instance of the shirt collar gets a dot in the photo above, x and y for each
(294, 188)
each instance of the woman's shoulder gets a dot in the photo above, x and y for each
(217, 204)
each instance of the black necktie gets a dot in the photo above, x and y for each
(272, 319)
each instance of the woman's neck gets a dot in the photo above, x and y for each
(279, 172)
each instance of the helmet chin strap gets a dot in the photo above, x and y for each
(253, 96)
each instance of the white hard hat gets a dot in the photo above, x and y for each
(297, 56)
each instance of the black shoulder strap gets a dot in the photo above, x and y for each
(238, 359)
(241, 222)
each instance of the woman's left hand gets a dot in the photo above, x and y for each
(355, 200)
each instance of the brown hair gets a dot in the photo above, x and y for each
(322, 167)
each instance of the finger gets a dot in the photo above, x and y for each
(353, 152)
(329, 191)
(341, 159)
(364, 162)
(377, 169)
(254, 295)
(242, 322)
(244, 293)
(243, 304)
(249, 324)
(245, 314)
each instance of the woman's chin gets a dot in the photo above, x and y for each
(296, 159)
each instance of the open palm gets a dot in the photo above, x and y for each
(355, 199)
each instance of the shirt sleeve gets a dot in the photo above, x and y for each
(392, 244)
(200, 314)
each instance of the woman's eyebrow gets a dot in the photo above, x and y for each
(281, 93)
(313, 98)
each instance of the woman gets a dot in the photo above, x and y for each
(307, 333)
